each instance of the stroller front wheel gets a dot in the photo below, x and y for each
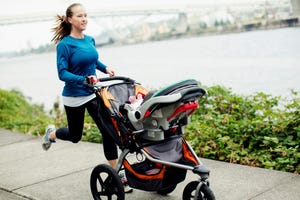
(204, 193)
(105, 181)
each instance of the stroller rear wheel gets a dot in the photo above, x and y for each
(204, 193)
(105, 183)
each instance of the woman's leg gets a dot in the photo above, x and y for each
(113, 163)
(101, 118)
(75, 118)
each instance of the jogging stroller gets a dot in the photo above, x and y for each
(148, 127)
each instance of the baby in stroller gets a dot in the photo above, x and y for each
(150, 125)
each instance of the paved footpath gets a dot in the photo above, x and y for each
(63, 173)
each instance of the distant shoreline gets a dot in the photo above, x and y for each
(210, 32)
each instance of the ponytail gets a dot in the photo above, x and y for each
(63, 27)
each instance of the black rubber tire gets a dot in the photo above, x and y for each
(105, 183)
(167, 190)
(205, 192)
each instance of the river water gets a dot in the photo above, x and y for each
(249, 62)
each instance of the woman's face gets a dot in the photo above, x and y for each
(79, 18)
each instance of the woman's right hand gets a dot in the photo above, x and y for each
(90, 80)
(110, 71)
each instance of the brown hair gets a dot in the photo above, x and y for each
(63, 27)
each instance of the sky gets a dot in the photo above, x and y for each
(13, 7)
(22, 36)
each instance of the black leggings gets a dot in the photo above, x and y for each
(75, 118)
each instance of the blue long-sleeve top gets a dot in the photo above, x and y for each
(76, 59)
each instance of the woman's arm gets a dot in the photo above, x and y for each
(62, 55)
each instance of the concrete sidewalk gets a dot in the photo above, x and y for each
(63, 173)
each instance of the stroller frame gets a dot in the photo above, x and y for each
(200, 169)
(112, 185)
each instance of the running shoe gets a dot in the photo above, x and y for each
(46, 140)
(127, 188)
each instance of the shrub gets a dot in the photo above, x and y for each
(17, 114)
(257, 130)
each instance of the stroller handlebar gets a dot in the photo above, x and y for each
(103, 82)
(113, 78)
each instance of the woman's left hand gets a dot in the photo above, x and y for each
(110, 71)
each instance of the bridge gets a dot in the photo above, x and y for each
(112, 12)
(50, 16)
(203, 8)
